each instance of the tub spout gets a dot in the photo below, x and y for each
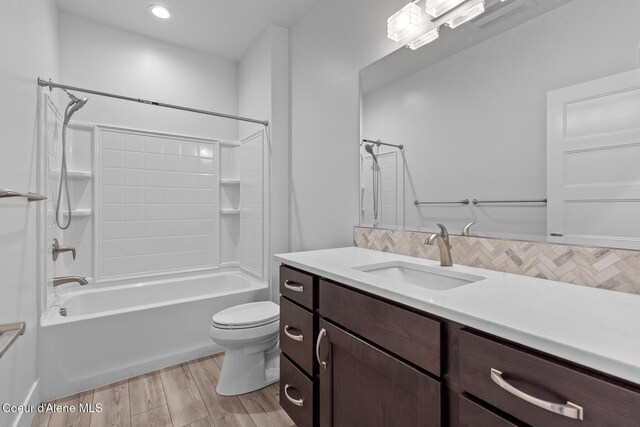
(57, 281)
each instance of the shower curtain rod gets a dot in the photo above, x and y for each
(378, 142)
(51, 85)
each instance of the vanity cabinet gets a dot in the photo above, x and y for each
(350, 358)
(539, 390)
(298, 329)
(362, 385)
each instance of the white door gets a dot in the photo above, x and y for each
(593, 162)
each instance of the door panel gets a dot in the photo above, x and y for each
(593, 148)
(364, 386)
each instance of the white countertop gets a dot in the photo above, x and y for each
(593, 327)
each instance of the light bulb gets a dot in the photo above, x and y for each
(427, 37)
(160, 11)
(404, 21)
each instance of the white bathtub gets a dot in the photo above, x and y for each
(116, 332)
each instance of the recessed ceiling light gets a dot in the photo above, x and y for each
(160, 11)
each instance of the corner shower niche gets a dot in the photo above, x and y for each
(147, 205)
(229, 205)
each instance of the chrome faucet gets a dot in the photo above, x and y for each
(57, 281)
(56, 249)
(443, 245)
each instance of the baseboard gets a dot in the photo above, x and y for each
(25, 419)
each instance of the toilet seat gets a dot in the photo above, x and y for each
(244, 316)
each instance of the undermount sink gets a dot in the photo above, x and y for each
(435, 278)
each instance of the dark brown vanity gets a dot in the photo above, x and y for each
(350, 358)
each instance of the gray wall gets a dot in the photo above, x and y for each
(328, 47)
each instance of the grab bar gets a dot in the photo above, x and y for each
(9, 333)
(476, 201)
(459, 202)
(32, 197)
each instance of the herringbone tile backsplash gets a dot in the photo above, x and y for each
(614, 269)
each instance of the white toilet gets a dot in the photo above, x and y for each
(249, 333)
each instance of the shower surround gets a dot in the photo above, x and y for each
(168, 228)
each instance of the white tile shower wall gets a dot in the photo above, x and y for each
(159, 208)
(252, 203)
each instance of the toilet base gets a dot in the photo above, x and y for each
(243, 373)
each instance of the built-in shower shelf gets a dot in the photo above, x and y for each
(229, 182)
(80, 213)
(80, 175)
(75, 175)
(230, 211)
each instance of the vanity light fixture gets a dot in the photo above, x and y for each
(465, 16)
(426, 38)
(404, 21)
(160, 11)
(437, 8)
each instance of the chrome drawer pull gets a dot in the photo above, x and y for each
(569, 410)
(293, 286)
(292, 336)
(297, 402)
(321, 334)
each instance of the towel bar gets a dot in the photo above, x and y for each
(32, 197)
(9, 333)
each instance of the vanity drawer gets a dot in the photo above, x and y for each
(527, 377)
(473, 414)
(411, 336)
(296, 334)
(296, 394)
(297, 286)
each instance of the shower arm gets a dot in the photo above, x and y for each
(51, 85)
(379, 143)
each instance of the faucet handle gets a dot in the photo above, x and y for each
(56, 250)
(467, 229)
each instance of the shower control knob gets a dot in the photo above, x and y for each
(56, 250)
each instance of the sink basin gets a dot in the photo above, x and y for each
(435, 278)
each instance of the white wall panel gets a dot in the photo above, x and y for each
(165, 218)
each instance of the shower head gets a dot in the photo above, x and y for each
(369, 149)
(74, 105)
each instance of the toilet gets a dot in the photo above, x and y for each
(249, 334)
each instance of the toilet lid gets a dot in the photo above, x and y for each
(248, 315)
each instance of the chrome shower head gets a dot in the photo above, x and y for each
(369, 149)
(74, 105)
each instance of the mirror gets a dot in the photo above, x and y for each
(532, 109)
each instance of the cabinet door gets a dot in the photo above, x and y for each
(361, 385)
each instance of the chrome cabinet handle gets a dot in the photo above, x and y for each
(292, 336)
(293, 286)
(569, 410)
(297, 402)
(321, 334)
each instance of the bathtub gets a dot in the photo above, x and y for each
(115, 332)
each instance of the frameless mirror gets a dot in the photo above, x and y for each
(525, 119)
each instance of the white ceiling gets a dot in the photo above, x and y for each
(225, 28)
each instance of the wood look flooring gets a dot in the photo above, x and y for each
(178, 396)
